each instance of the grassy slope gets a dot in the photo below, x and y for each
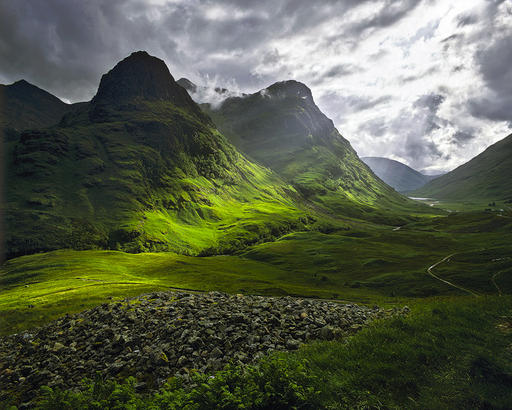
(366, 263)
(283, 128)
(155, 178)
(485, 178)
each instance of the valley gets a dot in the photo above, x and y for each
(140, 203)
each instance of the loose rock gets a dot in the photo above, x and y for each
(168, 334)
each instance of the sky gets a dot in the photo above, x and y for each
(428, 83)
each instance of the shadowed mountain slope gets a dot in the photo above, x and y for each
(396, 174)
(23, 105)
(485, 177)
(139, 168)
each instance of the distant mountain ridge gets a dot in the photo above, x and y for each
(23, 106)
(485, 177)
(396, 174)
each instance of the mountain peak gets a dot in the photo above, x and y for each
(22, 83)
(140, 76)
(187, 84)
(290, 89)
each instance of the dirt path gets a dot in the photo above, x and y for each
(445, 259)
(493, 280)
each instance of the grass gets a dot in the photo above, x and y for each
(157, 178)
(360, 262)
(449, 353)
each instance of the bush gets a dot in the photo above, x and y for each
(275, 383)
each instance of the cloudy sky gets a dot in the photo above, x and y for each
(425, 82)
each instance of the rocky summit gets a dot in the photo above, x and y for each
(140, 77)
(167, 334)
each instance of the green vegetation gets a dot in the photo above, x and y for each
(140, 175)
(137, 191)
(360, 262)
(448, 353)
(484, 178)
(283, 128)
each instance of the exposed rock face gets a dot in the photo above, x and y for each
(141, 77)
(187, 85)
(165, 334)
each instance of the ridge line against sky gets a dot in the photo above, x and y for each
(428, 83)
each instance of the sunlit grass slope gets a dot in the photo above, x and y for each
(361, 263)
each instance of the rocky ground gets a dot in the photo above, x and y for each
(166, 334)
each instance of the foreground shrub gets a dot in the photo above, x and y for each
(273, 384)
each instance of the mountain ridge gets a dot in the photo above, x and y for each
(484, 177)
(135, 174)
(24, 105)
(282, 128)
(397, 174)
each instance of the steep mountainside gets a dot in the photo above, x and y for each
(23, 105)
(396, 174)
(140, 167)
(485, 177)
(282, 127)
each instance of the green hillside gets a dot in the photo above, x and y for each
(396, 174)
(486, 177)
(139, 168)
(282, 128)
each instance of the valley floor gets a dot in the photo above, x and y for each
(446, 268)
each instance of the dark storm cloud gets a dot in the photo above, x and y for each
(375, 127)
(333, 72)
(65, 45)
(349, 52)
(462, 137)
(341, 106)
(466, 20)
(495, 65)
(340, 70)
(415, 126)
(390, 12)
(431, 70)
(431, 102)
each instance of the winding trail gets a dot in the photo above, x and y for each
(445, 259)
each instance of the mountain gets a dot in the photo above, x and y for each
(23, 105)
(139, 168)
(485, 177)
(282, 128)
(396, 174)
